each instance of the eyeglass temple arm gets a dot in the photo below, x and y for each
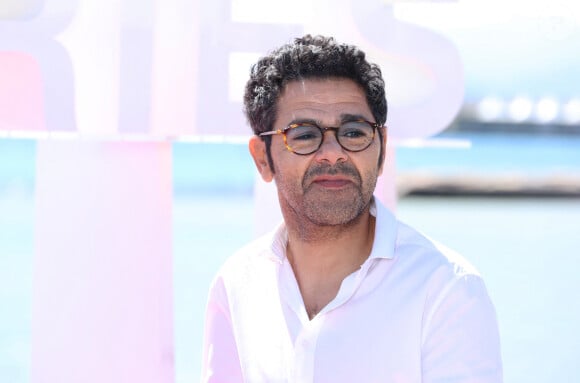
(271, 132)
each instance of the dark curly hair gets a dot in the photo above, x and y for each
(306, 58)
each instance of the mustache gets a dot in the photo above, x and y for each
(341, 168)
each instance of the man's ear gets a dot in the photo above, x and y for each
(258, 151)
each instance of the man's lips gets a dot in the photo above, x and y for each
(331, 181)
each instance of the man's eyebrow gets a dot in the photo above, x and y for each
(305, 121)
(346, 117)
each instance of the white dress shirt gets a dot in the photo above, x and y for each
(413, 312)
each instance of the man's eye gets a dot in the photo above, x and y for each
(353, 133)
(304, 136)
(304, 133)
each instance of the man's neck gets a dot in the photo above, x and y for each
(326, 256)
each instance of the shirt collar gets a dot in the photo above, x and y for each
(383, 245)
(279, 240)
(385, 231)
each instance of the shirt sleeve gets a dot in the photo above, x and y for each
(461, 337)
(220, 361)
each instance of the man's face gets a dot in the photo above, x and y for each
(331, 186)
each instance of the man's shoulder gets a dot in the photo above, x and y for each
(250, 256)
(413, 245)
(442, 273)
(411, 248)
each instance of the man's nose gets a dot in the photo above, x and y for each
(330, 151)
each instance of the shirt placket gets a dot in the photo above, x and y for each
(305, 352)
(301, 370)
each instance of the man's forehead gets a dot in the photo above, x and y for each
(312, 97)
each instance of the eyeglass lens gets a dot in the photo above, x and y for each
(306, 138)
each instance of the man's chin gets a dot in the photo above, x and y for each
(334, 210)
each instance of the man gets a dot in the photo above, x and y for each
(340, 291)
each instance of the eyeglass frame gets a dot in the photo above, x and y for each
(323, 130)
